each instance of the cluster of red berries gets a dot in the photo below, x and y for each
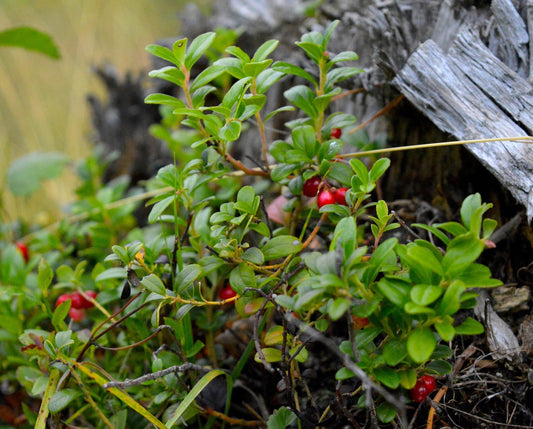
(315, 186)
(423, 387)
(78, 303)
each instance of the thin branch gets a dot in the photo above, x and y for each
(155, 375)
(386, 109)
(368, 384)
(130, 346)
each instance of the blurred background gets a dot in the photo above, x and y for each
(43, 103)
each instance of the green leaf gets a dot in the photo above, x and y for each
(312, 50)
(154, 284)
(170, 74)
(265, 80)
(63, 339)
(231, 131)
(336, 308)
(178, 49)
(345, 56)
(162, 52)
(159, 207)
(379, 168)
(288, 68)
(235, 93)
(462, 251)
(197, 47)
(206, 76)
(265, 50)
(187, 276)
(425, 258)
(469, 207)
(45, 276)
(164, 99)
(111, 273)
(451, 301)
(271, 355)
(385, 412)
(395, 290)
(365, 336)
(26, 173)
(339, 74)
(388, 377)
(233, 66)
(341, 172)
(445, 330)
(329, 31)
(394, 351)
(420, 344)
(254, 68)
(281, 419)
(478, 275)
(469, 327)
(281, 171)
(274, 336)
(254, 255)
(425, 294)
(241, 277)
(440, 367)
(239, 53)
(31, 39)
(195, 391)
(303, 98)
(58, 317)
(61, 399)
(360, 170)
(281, 246)
(407, 378)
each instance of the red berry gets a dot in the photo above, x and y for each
(336, 133)
(76, 314)
(78, 301)
(226, 293)
(85, 302)
(23, 249)
(430, 382)
(311, 186)
(325, 197)
(419, 392)
(62, 298)
(340, 196)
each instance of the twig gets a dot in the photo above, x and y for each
(155, 375)
(130, 346)
(386, 109)
(436, 400)
(404, 225)
(249, 171)
(368, 384)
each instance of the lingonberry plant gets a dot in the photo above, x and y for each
(330, 263)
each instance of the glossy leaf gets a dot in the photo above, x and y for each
(197, 47)
(420, 344)
(153, 284)
(241, 277)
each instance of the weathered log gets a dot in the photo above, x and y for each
(471, 94)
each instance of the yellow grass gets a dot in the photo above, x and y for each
(42, 101)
